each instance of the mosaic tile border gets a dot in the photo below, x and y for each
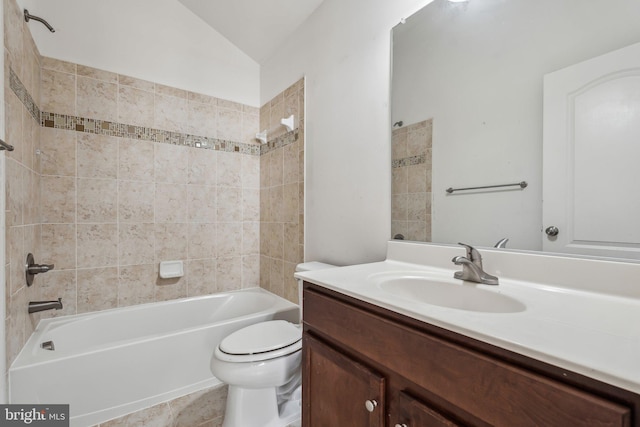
(122, 130)
(23, 95)
(409, 161)
(279, 142)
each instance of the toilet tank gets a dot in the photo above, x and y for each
(309, 266)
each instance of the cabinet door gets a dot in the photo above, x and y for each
(414, 413)
(338, 391)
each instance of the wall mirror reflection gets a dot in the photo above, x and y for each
(495, 92)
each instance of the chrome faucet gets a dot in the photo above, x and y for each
(472, 267)
(502, 243)
(35, 306)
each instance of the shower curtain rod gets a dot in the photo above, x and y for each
(287, 122)
(28, 16)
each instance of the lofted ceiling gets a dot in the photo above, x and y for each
(213, 47)
(257, 27)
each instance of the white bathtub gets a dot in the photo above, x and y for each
(114, 362)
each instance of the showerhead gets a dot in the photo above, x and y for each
(28, 16)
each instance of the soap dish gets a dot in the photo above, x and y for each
(171, 269)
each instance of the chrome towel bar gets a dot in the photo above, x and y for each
(522, 184)
(5, 146)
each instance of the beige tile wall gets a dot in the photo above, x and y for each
(22, 177)
(411, 185)
(282, 193)
(114, 207)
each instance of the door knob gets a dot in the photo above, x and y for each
(370, 405)
(552, 231)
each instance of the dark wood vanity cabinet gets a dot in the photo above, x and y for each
(367, 366)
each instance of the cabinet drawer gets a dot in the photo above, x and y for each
(491, 389)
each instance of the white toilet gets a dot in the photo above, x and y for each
(261, 365)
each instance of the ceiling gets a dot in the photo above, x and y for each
(257, 27)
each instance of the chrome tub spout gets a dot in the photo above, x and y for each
(35, 306)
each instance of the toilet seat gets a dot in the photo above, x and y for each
(260, 341)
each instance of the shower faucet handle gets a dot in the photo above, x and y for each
(31, 269)
(39, 268)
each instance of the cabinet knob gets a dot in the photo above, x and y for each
(370, 405)
(401, 425)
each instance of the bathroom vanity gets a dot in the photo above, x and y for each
(376, 355)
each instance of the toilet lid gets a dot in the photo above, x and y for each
(261, 337)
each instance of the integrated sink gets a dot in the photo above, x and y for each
(448, 293)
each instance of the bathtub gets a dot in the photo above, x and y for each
(114, 362)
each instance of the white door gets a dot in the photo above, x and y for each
(591, 157)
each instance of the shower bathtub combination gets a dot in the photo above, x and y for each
(111, 363)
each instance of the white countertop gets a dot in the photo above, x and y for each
(594, 332)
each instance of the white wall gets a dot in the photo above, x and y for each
(343, 49)
(156, 40)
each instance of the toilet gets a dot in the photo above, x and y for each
(261, 365)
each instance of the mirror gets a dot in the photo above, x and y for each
(467, 111)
